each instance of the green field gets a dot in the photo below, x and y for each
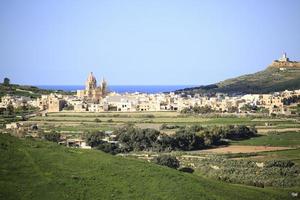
(286, 139)
(43, 170)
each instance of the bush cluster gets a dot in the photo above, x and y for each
(186, 138)
(167, 160)
(197, 110)
(130, 138)
(278, 173)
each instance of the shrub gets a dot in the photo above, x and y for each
(186, 169)
(280, 163)
(109, 148)
(167, 160)
(97, 120)
(53, 137)
(165, 126)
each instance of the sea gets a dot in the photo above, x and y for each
(151, 89)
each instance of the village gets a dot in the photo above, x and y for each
(99, 99)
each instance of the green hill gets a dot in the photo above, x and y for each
(42, 170)
(27, 91)
(269, 80)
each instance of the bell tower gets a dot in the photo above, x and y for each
(91, 82)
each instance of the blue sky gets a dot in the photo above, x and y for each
(139, 42)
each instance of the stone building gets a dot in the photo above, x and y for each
(55, 103)
(93, 92)
(51, 103)
(284, 62)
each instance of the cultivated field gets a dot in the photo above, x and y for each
(80, 122)
(278, 139)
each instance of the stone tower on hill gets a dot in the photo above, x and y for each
(285, 62)
(93, 92)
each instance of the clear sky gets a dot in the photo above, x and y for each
(143, 42)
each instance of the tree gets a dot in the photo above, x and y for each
(10, 109)
(95, 139)
(167, 160)
(6, 81)
(187, 140)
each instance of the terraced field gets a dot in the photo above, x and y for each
(81, 122)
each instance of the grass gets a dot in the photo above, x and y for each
(42, 170)
(285, 139)
(171, 118)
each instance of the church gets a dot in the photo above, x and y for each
(93, 92)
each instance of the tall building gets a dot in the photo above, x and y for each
(93, 92)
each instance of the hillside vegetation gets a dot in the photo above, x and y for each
(28, 91)
(42, 170)
(24, 90)
(269, 80)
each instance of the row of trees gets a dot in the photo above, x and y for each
(186, 138)
(197, 110)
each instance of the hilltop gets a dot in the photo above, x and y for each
(282, 74)
(42, 170)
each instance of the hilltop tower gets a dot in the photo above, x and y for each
(284, 58)
(284, 63)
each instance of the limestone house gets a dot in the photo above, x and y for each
(80, 107)
(42, 102)
(14, 125)
(15, 101)
(92, 107)
(148, 106)
(55, 103)
(265, 99)
(121, 103)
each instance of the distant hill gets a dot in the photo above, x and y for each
(42, 170)
(24, 90)
(277, 77)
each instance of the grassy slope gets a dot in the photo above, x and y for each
(40, 170)
(269, 80)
